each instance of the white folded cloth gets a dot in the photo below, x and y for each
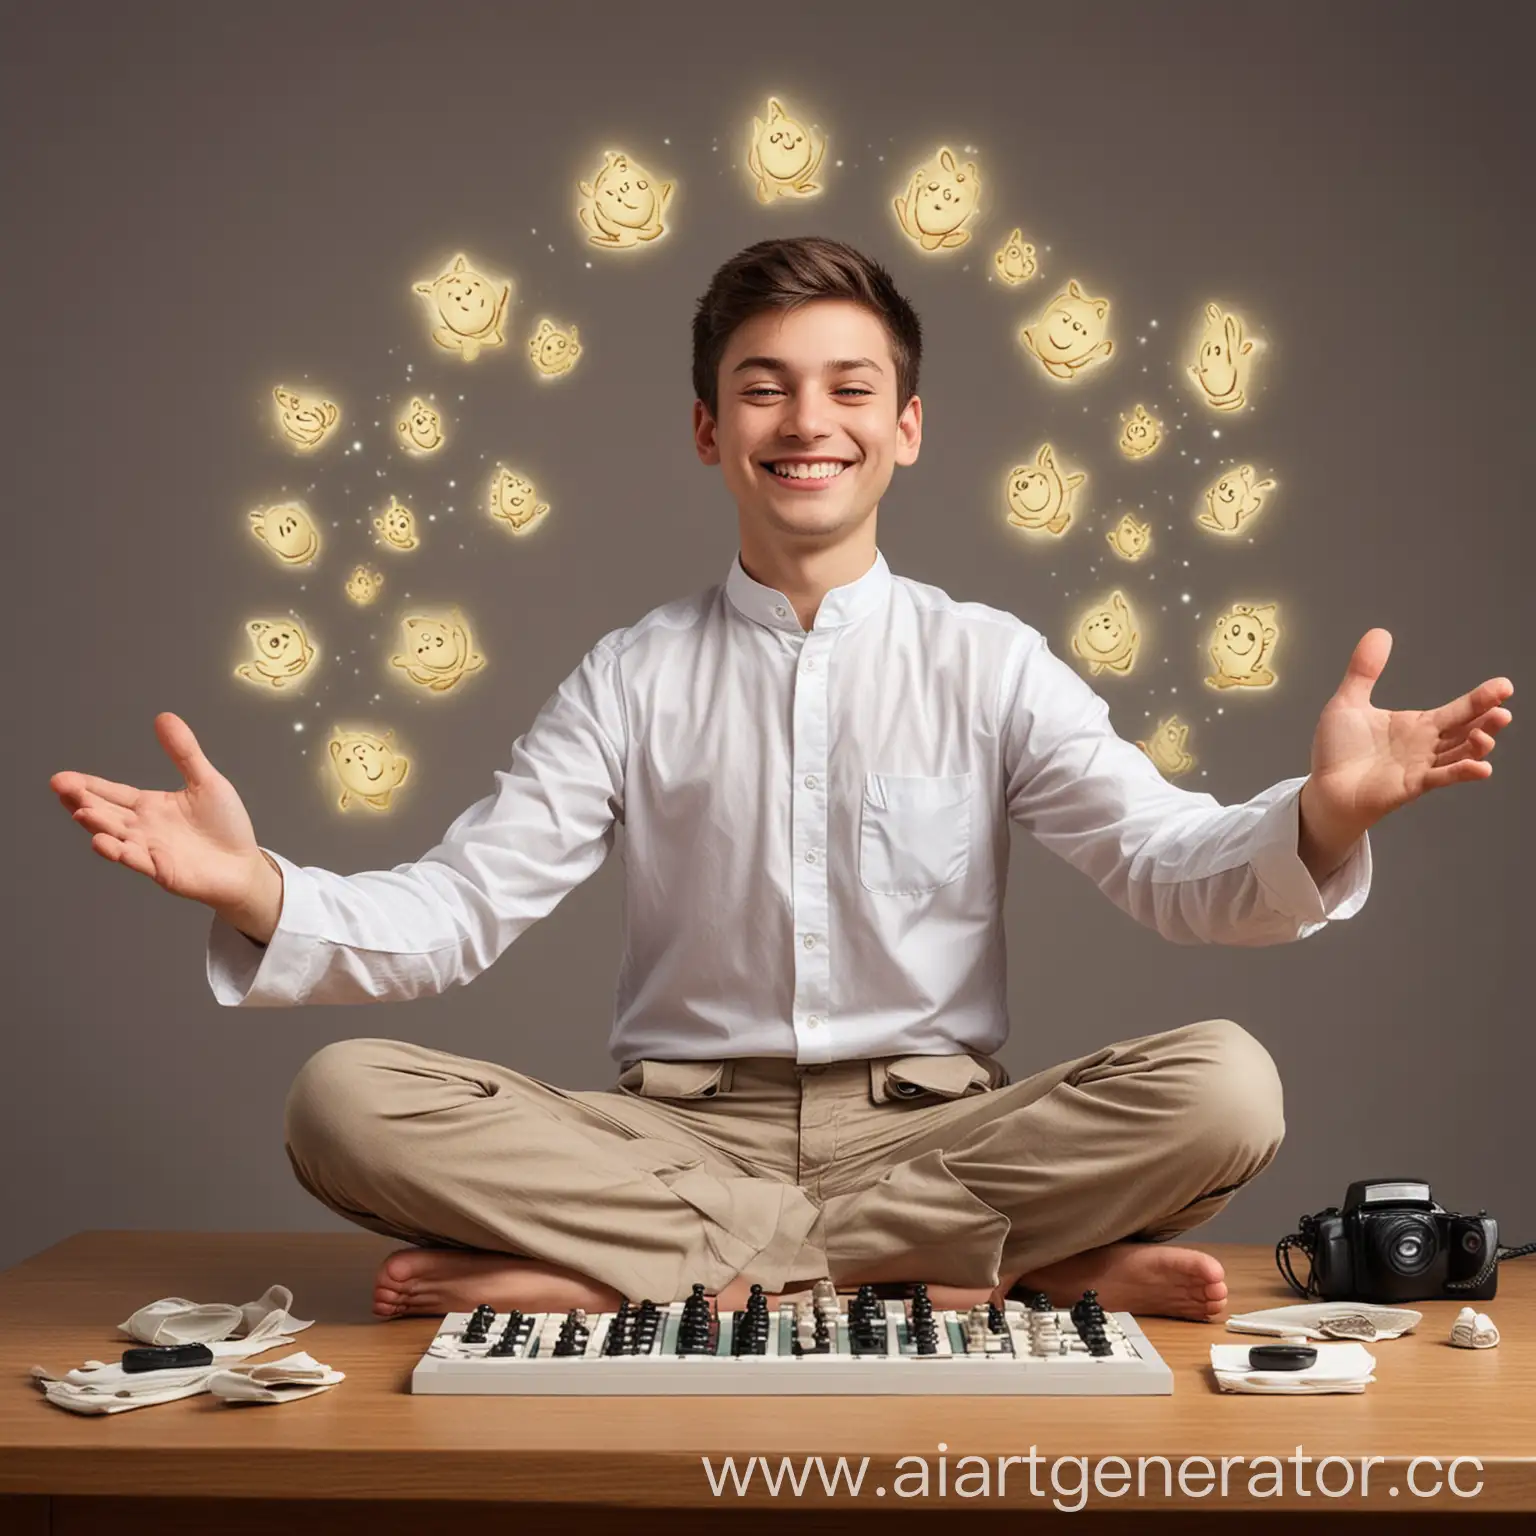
(1473, 1330)
(274, 1381)
(231, 1333)
(1330, 1320)
(1339, 1368)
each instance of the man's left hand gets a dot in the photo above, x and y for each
(1368, 761)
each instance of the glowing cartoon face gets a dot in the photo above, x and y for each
(624, 205)
(1142, 434)
(941, 199)
(288, 531)
(1243, 645)
(554, 351)
(1166, 747)
(367, 767)
(1222, 362)
(305, 420)
(1069, 335)
(783, 155)
(363, 586)
(283, 652)
(466, 308)
(1107, 638)
(515, 502)
(438, 651)
(1232, 500)
(397, 525)
(1130, 539)
(1016, 263)
(420, 430)
(1040, 495)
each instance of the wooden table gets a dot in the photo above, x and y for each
(369, 1456)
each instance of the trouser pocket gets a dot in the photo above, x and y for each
(676, 1079)
(933, 1077)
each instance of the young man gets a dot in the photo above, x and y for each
(816, 764)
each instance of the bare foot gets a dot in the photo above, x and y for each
(431, 1282)
(1146, 1279)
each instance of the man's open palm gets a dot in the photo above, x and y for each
(1368, 761)
(196, 842)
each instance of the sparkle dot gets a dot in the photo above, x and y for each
(1184, 597)
(298, 725)
(1153, 324)
(1215, 431)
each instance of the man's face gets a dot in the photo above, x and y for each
(808, 433)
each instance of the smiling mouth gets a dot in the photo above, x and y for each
(822, 473)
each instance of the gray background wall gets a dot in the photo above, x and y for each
(205, 199)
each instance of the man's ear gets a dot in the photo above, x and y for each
(704, 440)
(909, 431)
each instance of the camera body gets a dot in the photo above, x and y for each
(1392, 1242)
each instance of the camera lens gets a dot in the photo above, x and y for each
(1472, 1241)
(1408, 1244)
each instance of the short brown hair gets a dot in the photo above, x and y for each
(784, 274)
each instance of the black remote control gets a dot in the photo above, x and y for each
(165, 1357)
(1281, 1357)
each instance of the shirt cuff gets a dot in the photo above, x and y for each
(240, 970)
(1288, 883)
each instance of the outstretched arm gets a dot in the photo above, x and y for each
(1366, 762)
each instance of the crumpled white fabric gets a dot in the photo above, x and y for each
(1473, 1330)
(231, 1333)
(1329, 1320)
(1339, 1368)
(274, 1381)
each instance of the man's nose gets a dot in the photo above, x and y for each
(806, 415)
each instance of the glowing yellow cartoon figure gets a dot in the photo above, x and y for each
(363, 586)
(1166, 747)
(940, 201)
(367, 767)
(1107, 638)
(1016, 261)
(1142, 434)
(623, 206)
(1232, 500)
(306, 420)
(1040, 496)
(420, 429)
(554, 351)
(515, 501)
(467, 309)
(398, 525)
(288, 531)
(784, 154)
(439, 652)
(283, 652)
(1242, 645)
(1130, 539)
(1069, 335)
(1221, 365)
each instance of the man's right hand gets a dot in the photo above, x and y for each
(196, 842)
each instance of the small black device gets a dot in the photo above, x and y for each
(1281, 1357)
(165, 1357)
(1392, 1242)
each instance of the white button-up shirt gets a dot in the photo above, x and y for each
(816, 834)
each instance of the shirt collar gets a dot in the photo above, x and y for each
(841, 605)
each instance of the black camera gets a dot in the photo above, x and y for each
(1391, 1243)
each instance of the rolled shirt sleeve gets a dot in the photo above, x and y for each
(1176, 860)
(438, 922)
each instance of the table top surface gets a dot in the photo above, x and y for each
(370, 1436)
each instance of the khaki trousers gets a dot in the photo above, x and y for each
(931, 1168)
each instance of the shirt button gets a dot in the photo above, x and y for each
(810, 855)
(810, 666)
(811, 781)
(781, 612)
(810, 941)
(814, 1022)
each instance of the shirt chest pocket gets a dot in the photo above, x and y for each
(914, 833)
